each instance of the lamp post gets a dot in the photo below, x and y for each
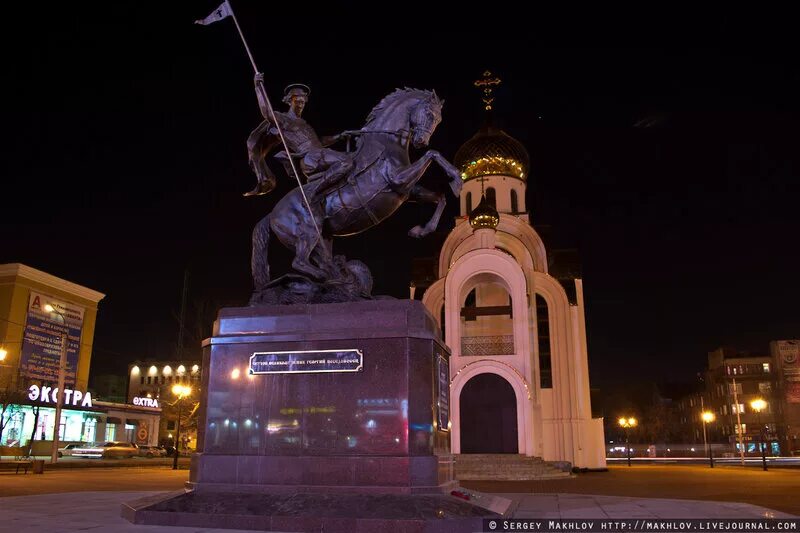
(708, 417)
(626, 424)
(62, 370)
(759, 405)
(181, 391)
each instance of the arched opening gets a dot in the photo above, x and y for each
(514, 205)
(488, 415)
(487, 326)
(469, 203)
(543, 335)
(442, 321)
(491, 197)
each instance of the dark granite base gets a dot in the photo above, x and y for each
(331, 513)
(369, 474)
(379, 427)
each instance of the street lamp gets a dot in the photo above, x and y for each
(181, 391)
(708, 417)
(759, 405)
(62, 370)
(626, 424)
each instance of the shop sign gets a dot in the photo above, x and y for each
(145, 402)
(142, 432)
(351, 360)
(45, 394)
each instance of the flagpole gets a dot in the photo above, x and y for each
(275, 121)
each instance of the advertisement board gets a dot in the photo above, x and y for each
(788, 355)
(41, 343)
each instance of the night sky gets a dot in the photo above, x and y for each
(664, 147)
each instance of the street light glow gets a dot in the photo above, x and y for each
(758, 404)
(181, 390)
(708, 416)
(3, 354)
(627, 422)
(235, 373)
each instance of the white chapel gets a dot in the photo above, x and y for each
(519, 370)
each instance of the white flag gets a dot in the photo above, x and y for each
(223, 11)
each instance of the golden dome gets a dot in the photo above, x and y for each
(492, 152)
(484, 216)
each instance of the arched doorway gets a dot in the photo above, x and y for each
(488, 415)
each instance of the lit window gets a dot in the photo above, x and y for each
(765, 366)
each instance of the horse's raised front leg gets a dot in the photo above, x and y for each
(405, 180)
(421, 194)
(451, 171)
(409, 176)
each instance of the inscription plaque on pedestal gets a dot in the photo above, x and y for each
(299, 362)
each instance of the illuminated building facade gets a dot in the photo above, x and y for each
(151, 382)
(36, 309)
(732, 382)
(519, 370)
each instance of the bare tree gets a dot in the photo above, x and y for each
(10, 399)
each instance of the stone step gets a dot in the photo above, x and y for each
(505, 467)
(498, 458)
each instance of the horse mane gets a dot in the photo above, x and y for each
(392, 98)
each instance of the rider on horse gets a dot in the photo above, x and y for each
(317, 162)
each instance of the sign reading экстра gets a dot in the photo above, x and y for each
(302, 362)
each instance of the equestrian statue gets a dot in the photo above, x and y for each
(346, 193)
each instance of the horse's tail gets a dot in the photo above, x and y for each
(258, 261)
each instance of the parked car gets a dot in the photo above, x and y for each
(152, 451)
(67, 450)
(107, 450)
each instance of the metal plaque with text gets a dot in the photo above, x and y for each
(306, 362)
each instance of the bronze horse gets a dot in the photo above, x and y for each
(383, 177)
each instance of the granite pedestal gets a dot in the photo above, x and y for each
(374, 427)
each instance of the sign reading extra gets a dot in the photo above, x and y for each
(50, 395)
(145, 402)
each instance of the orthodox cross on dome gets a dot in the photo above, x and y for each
(482, 180)
(487, 85)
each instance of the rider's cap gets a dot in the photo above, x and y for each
(297, 88)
